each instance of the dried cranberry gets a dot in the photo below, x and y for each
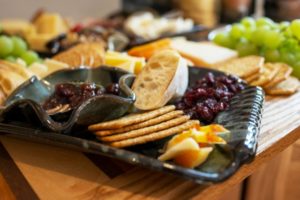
(191, 113)
(200, 92)
(210, 103)
(210, 92)
(65, 90)
(113, 89)
(191, 95)
(188, 101)
(88, 87)
(74, 95)
(209, 96)
(233, 88)
(206, 114)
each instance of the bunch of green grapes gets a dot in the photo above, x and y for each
(15, 47)
(277, 42)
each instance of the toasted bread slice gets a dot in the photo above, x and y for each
(284, 72)
(287, 87)
(2, 96)
(268, 73)
(164, 77)
(242, 67)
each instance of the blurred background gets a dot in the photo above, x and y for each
(209, 12)
(76, 9)
(278, 179)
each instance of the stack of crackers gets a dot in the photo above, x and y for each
(275, 78)
(143, 127)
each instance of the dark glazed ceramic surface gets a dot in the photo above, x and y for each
(242, 119)
(25, 103)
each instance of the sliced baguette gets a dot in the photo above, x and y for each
(2, 96)
(164, 77)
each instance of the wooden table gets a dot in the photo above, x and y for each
(31, 171)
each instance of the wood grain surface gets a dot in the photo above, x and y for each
(57, 173)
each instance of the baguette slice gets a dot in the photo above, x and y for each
(164, 77)
(2, 97)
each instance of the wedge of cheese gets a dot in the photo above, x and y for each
(164, 77)
(124, 61)
(204, 54)
(15, 26)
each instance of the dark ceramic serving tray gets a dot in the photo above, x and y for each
(242, 119)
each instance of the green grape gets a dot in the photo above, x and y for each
(219, 37)
(29, 57)
(288, 57)
(288, 32)
(248, 22)
(272, 55)
(284, 25)
(290, 44)
(297, 54)
(295, 28)
(245, 49)
(6, 46)
(10, 58)
(258, 36)
(272, 39)
(248, 33)
(264, 21)
(20, 46)
(224, 39)
(296, 69)
(237, 31)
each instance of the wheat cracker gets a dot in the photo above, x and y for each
(155, 136)
(157, 120)
(133, 119)
(267, 75)
(146, 130)
(287, 87)
(284, 72)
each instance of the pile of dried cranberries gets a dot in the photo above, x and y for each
(209, 96)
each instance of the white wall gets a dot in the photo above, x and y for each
(76, 9)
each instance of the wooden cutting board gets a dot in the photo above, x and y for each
(31, 170)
